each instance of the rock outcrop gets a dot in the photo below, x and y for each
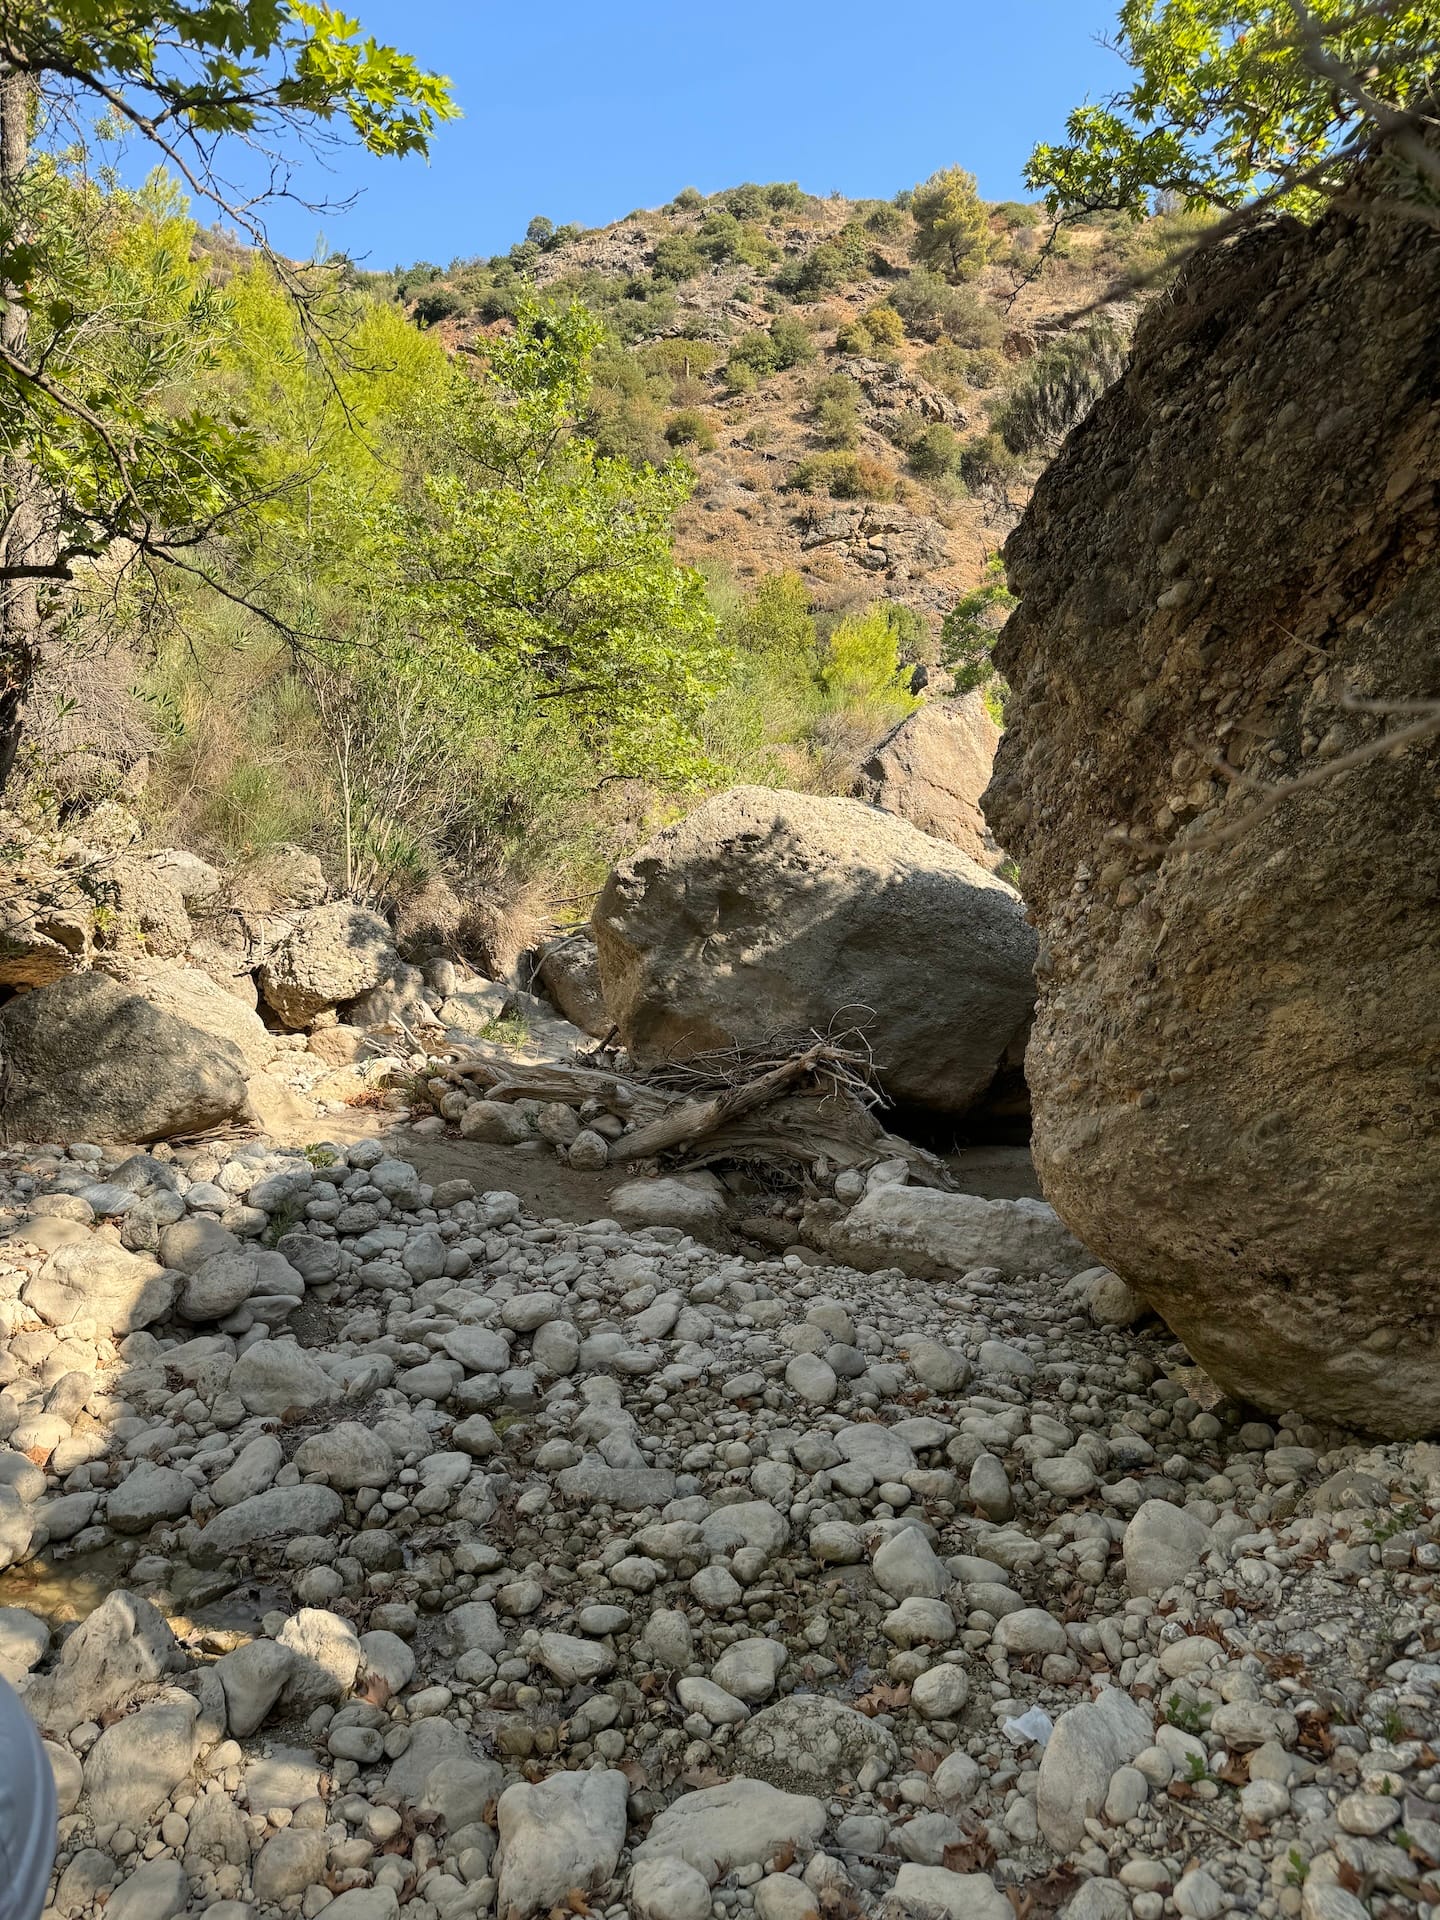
(1234, 1069)
(334, 954)
(932, 770)
(766, 912)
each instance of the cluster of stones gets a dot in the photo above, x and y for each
(460, 1562)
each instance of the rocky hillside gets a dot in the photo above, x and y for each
(870, 464)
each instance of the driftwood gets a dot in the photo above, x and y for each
(696, 1120)
(813, 1126)
(502, 1078)
(815, 1104)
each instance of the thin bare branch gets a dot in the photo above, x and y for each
(1270, 797)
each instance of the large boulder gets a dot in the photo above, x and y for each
(86, 1058)
(569, 971)
(333, 954)
(194, 995)
(932, 770)
(1234, 1068)
(926, 1232)
(766, 912)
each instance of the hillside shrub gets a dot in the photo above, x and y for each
(787, 196)
(625, 418)
(931, 308)
(843, 476)
(834, 262)
(786, 344)
(853, 336)
(959, 371)
(1059, 386)
(438, 303)
(722, 238)
(903, 428)
(884, 325)
(681, 363)
(747, 202)
(987, 462)
(791, 342)
(887, 221)
(690, 428)
(935, 451)
(835, 409)
(490, 304)
(677, 258)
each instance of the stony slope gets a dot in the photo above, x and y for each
(929, 542)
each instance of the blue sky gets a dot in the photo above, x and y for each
(584, 112)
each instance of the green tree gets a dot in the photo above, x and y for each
(88, 459)
(861, 666)
(968, 634)
(952, 228)
(1234, 98)
(549, 564)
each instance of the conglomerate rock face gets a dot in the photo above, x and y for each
(1234, 1067)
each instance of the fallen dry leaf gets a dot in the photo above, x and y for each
(883, 1698)
(974, 1854)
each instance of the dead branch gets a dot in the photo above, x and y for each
(785, 1107)
(1271, 797)
(800, 1128)
(693, 1121)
